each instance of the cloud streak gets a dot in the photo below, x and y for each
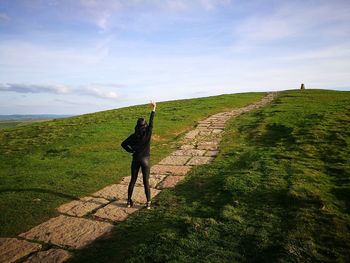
(25, 88)
(97, 91)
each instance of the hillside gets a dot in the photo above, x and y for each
(10, 121)
(43, 165)
(277, 192)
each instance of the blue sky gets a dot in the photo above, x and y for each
(80, 56)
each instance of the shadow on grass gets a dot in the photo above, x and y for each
(253, 204)
(39, 190)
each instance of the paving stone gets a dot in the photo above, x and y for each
(170, 169)
(217, 127)
(192, 134)
(208, 146)
(217, 131)
(66, 231)
(126, 180)
(205, 133)
(198, 160)
(13, 249)
(117, 211)
(211, 153)
(190, 152)
(52, 255)
(204, 122)
(154, 180)
(187, 146)
(82, 206)
(175, 160)
(120, 192)
(171, 181)
(204, 129)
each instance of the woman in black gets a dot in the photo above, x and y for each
(138, 144)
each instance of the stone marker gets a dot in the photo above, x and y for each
(117, 211)
(175, 160)
(170, 169)
(13, 249)
(198, 160)
(83, 206)
(120, 192)
(66, 231)
(52, 255)
(171, 181)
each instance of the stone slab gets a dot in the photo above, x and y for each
(120, 192)
(82, 206)
(170, 169)
(217, 127)
(192, 134)
(187, 147)
(204, 129)
(171, 181)
(13, 249)
(154, 180)
(189, 152)
(208, 146)
(217, 131)
(66, 231)
(205, 133)
(175, 160)
(198, 160)
(52, 255)
(211, 153)
(204, 122)
(117, 211)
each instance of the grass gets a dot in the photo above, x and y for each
(9, 124)
(5, 124)
(45, 164)
(277, 192)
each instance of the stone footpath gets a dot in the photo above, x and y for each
(82, 221)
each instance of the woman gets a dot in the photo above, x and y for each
(138, 144)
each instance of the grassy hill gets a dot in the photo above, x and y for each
(279, 191)
(10, 121)
(45, 164)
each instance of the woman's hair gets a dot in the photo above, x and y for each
(141, 127)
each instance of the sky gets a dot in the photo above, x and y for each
(82, 56)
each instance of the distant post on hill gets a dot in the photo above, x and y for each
(302, 86)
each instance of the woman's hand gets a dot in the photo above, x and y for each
(153, 105)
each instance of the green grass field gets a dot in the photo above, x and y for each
(279, 191)
(45, 164)
(5, 124)
(8, 124)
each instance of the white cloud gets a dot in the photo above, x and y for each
(25, 88)
(97, 91)
(293, 20)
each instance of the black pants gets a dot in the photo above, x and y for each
(144, 163)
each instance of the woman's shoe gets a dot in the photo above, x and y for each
(129, 204)
(148, 205)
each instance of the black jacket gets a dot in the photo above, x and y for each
(140, 147)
